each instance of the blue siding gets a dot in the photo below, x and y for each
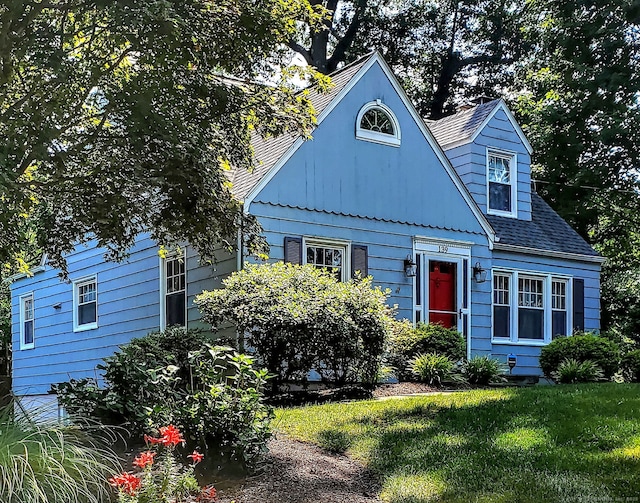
(470, 162)
(128, 307)
(589, 271)
(336, 172)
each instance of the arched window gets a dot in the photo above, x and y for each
(376, 122)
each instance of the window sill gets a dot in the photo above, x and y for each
(83, 328)
(27, 347)
(508, 214)
(384, 139)
(530, 342)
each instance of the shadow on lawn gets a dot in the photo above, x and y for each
(555, 444)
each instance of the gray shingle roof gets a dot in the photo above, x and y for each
(268, 151)
(462, 125)
(546, 231)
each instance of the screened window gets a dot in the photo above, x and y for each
(86, 304)
(500, 182)
(175, 279)
(27, 318)
(330, 257)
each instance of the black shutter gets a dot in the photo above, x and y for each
(359, 261)
(293, 250)
(578, 304)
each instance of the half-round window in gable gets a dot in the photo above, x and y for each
(376, 122)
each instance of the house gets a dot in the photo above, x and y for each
(441, 213)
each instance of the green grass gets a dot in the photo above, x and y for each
(546, 444)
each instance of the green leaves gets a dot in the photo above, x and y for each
(117, 117)
(299, 318)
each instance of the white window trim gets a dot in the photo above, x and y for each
(514, 275)
(513, 175)
(76, 299)
(374, 136)
(23, 298)
(330, 243)
(163, 289)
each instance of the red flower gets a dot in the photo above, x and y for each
(152, 440)
(170, 435)
(144, 459)
(207, 494)
(126, 482)
(196, 456)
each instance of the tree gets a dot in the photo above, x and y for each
(578, 103)
(436, 48)
(122, 116)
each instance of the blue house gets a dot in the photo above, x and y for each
(441, 213)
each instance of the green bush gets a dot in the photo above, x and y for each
(483, 370)
(432, 368)
(51, 463)
(573, 371)
(299, 318)
(631, 366)
(406, 342)
(581, 347)
(212, 393)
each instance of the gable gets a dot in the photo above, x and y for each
(339, 173)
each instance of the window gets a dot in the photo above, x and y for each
(85, 304)
(377, 123)
(501, 306)
(27, 317)
(558, 308)
(327, 256)
(501, 183)
(174, 289)
(529, 307)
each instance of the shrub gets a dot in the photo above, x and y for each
(603, 352)
(298, 318)
(482, 370)
(432, 368)
(574, 371)
(212, 393)
(631, 366)
(51, 463)
(406, 342)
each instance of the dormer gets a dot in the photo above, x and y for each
(492, 156)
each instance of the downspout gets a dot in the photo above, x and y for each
(240, 264)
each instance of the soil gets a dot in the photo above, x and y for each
(298, 472)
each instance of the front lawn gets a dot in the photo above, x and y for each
(544, 444)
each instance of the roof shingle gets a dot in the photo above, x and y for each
(462, 125)
(546, 231)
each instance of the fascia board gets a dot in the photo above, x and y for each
(501, 106)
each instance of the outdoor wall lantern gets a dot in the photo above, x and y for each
(511, 361)
(410, 267)
(479, 274)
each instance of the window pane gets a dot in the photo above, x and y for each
(501, 322)
(87, 313)
(28, 332)
(530, 324)
(176, 309)
(499, 196)
(559, 323)
(499, 169)
(377, 120)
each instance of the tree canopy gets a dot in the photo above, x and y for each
(122, 116)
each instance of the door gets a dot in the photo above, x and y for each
(443, 288)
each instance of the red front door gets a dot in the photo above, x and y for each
(442, 293)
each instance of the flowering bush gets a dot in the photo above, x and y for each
(164, 481)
